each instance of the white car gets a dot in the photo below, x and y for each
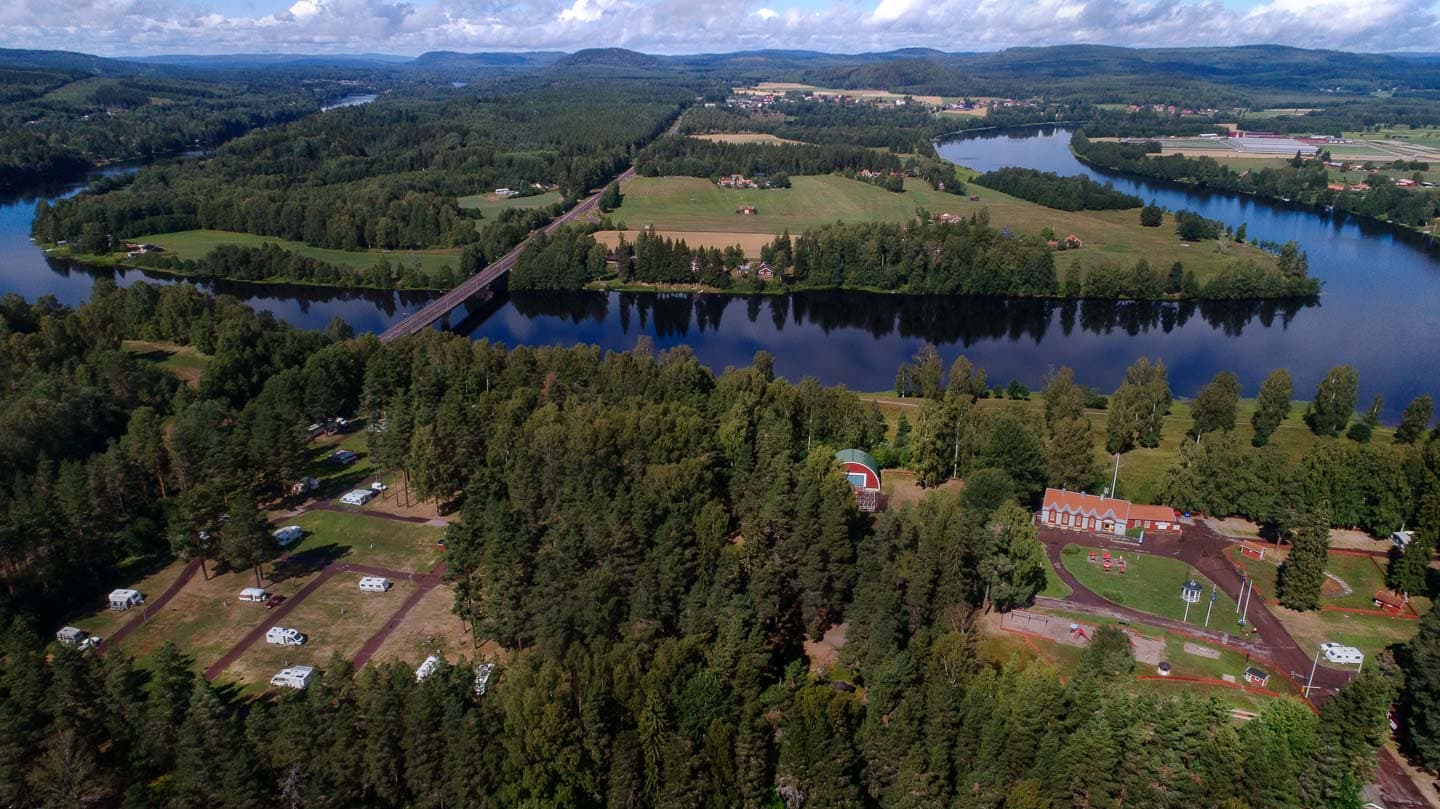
(378, 486)
(1326, 648)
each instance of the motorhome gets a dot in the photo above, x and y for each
(288, 535)
(282, 636)
(254, 595)
(297, 677)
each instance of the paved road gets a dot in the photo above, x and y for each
(432, 312)
(1204, 549)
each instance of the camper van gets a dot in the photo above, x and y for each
(1345, 655)
(77, 637)
(288, 535)
(121, 600)
(254, 595)
(375, 584)
(297, 677)
(427, 668)
(281, 636)
(358, 497)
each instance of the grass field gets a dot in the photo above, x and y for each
(194, 244)
(1423, 136)
(356, 537)
(337, 618)
(1054, 587)
(489, 204)
(184, 362)
(746, 137)
(695, 205)
(1150, 584)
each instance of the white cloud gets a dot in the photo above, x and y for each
(118, 27)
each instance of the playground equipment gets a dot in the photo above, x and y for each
(1076, 629)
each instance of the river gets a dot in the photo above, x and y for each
(1377, 311)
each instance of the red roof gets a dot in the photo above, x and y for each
(1152, 513)
(1092, 505)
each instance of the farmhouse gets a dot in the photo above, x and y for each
(863, 472)
(1107, 515)
(765, 272)
(125, 599)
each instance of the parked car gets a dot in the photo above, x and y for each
(378, 486)
(274, 601)
(284, 636)
(344, 457)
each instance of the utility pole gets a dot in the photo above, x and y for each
(1211, 605)
(1115, 479)
(1311, 680)
(1245, 611)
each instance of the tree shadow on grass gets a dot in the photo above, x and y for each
(307, 562)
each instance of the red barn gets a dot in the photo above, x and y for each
(863, 472)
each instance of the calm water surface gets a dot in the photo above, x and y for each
(1378, 311)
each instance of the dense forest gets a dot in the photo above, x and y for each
(385, 175)
(271, 262)
(1304, 181)
(693, 157)
(56, 124)
(1077, 193)
(651, 542)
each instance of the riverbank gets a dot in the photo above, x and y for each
(1327, 202)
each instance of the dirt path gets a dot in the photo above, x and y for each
(1204, 549)
(278, 613)
(425, 584)
(154, 606)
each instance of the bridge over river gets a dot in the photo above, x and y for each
(437, 309)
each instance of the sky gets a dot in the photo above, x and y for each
(408, 27)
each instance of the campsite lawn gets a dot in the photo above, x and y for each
(1363, 577)
(432, 627)
(695, 205)
(103, 622)
(362, 539)
(194, 244)
(1150, 584)
(489, 204)
(337, 618)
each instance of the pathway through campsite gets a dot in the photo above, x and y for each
(154, 605)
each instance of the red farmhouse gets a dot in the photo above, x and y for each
(1105, 515)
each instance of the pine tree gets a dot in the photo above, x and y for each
(1351, 729)
(1013, 564)
(1303, 573)
(1410, 571)
(1011, 445)
(933, 442)
(1273, 406)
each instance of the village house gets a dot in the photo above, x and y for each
(1072, 242)
(765, 272)
(746, 210)
(735, 181)
(863, 473)
(949, 218)
(1105, 515)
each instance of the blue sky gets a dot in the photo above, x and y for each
(120, 27)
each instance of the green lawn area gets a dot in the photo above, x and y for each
(356, 537)
(696, 205)
(1054, 587)
(1150, 584)
(184, 362)
(194, 244)
(489, 204)
(1362, 576)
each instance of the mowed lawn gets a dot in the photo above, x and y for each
(337, 618)
(1150, 584)
(194, 244)
(489, 204)
(362, 539)
(696, 205)
(183, 362)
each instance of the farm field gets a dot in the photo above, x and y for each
(194, 244)
(1425, 136)
(749, 242)
(337, 618)
(694, 205)
(362, 539)
(1150, 584)
(746, 137)
(489, 204)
